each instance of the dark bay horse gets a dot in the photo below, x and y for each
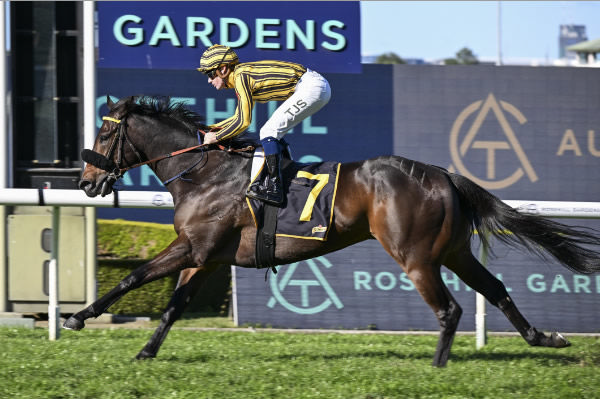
(422, 215)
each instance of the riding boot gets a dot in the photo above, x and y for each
(257, 189)
(270, 188)
(274, 182)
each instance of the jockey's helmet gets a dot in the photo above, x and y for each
(215, 56)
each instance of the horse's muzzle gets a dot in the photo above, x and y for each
(88, 187)
(103, 188)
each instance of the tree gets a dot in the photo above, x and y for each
(464, 56)
(389, 58)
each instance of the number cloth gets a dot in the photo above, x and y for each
(310, 191)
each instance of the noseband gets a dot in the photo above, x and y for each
(105, 162)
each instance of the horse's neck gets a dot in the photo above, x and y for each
(202, 167)
(214, 168)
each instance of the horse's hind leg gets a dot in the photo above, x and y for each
(428, 282)
(190, 281)
(464, 264)
(448, 319)
(430, 285)
(172, 259)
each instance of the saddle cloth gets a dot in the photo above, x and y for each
(309, 190)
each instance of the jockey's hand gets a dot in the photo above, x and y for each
(210, 138)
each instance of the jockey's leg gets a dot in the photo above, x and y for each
(269, 190)
(256, 173)
(311, 94)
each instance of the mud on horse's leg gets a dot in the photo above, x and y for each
(172, 259)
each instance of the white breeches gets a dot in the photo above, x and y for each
(311, 94)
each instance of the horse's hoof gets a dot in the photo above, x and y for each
(559, 341)
(143, 355)
(73, 323)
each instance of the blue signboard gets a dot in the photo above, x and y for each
(362, 287)
(324, 36)
(520, 132)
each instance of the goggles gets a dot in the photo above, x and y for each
(212, 73)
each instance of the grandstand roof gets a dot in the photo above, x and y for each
(589, 46)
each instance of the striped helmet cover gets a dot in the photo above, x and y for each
(216, 56)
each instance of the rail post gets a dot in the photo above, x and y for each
(480, 327)
(53, 306)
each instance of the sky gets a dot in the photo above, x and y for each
(438, 29)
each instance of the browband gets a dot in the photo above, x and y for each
(108, 118)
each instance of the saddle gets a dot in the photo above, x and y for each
(307, 211)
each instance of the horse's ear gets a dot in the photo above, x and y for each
(109, 102)
(133, 99)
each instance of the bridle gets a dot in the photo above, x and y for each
(120, 138)
(116, 170)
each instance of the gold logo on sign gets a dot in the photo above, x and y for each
(458, 150)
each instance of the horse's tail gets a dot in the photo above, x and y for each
(537, 234)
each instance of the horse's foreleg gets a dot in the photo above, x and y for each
(481, 280)
(172, 259)
(190, 281)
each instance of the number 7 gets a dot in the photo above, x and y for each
(314, 193)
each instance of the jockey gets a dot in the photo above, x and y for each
(304, 91)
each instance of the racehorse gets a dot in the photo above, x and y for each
(423, 216)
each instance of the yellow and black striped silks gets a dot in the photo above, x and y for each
(215, 56)
(260, 81)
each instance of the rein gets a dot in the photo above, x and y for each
(116, 171)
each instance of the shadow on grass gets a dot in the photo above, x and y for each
(171, 358)
(511, 356)
(456, 357)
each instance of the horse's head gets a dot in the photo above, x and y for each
(156, 126)
(111, 153)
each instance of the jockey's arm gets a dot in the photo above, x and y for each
(242, 117)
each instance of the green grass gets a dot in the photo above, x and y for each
(97, 363)
(200, 320)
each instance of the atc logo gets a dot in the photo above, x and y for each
(482, 110)
(295, 294)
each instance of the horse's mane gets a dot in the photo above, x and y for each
(163, 107)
